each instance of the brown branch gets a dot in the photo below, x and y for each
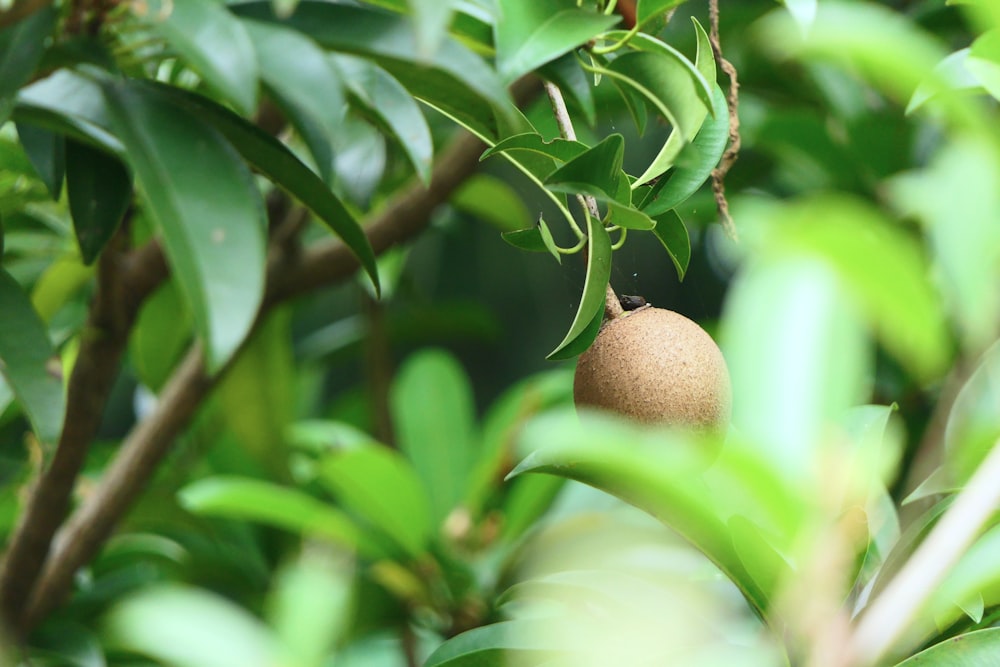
(125, 478)
(732, 104)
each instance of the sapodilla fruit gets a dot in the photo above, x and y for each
(655, 366)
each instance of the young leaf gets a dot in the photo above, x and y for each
(273, 159)
(984, 61)
(530, 34)
(21, 49)
(246, 499)
(627, 217)
(595, 284)
(597, 171)
(386, 98)
(970, 649)
(185, 626)
(379, 485)
(453, 79)
(99, 189)
(673, 234)
(25, 358)
(213, 42)
(434, 419)
(204, 201)
(694, 164)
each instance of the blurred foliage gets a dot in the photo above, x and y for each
(389, 472)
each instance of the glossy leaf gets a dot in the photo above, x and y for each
(290, 509)
(527, 239)
(26, 358)
(434, 420)
(99, 189)
(274, 160)
(627, 217)
(530, 34)
(596, 171)
(379, 485)
(673, 234)
(185, 626)
(213, 42)
(654, 469)
(594, 287)
(21, 48)
(971, 649)
(301, 76)
(205, 203)
(494, 201)
(584, 340)
(694, 164)
(454, 79)
(69, 103)
(388, 100)
(647, 10)
(490, 645)
(47, 152)
(562, 150)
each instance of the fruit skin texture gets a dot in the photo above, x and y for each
(655, 366)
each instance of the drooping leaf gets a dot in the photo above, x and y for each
(21, 49)
(47, 152)
(205, 204)
(594, 287)
(274, 160)
(25, 358)
(530, 34)
(454, 79)
(583, 340)
(379, 485)
(213, 42)
(99, 189)
(388, 100)
(69, 103)
(673, 234)
(301, 76)
(434, 420)
(694, 164)
(562, 150)
(971, 649)
(282, 507)
(187, 627)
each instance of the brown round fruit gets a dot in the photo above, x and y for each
(655, 366)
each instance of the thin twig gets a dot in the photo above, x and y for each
(889, 615)
(732, 104)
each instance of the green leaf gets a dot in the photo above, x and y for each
(246, 499)
(47, 152)
(25, 361)
(596, 171)
(454, 79)
(673, 234)
(387, 99)
(379, 485)
(530, 34)
(434, 420)
(627, 217)
(984, 61)
(71, 104)
(274, 160)
(491, 645)
(971, 649)
(975, 577)
(205, 203)
(583, 340)
(562, 150)
(189, 628)
(950, 74)
(647, 10)
(213, 42)
(494, 201)
(659, 471)
(21, 49)
(548, 241)
(971, 429)
(594, 287)
(160, 336)
(530, 239)
(99, 189)
(694, 164)
(301, 76)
